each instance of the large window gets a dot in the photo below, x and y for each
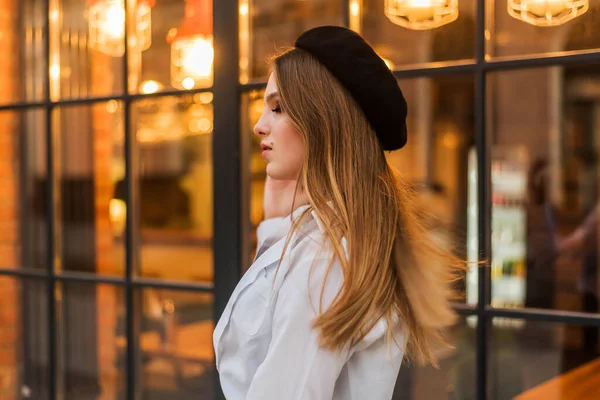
(106, 210)
(131, 185)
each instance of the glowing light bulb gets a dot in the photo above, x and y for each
(55, 71)
(188, 83)
(150, 87)
(192, 58)
(114, 22)
(192, 52)
(541, 7)
(421, 14)
(107, 26)
(546, 12)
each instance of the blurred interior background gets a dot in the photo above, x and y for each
(66, 92)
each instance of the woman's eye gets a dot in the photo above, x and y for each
(276, 109)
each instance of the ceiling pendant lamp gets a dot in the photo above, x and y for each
(192, 51)
(421, 14)
(547, 12)
(107, 26)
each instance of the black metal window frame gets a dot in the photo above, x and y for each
(230, 197)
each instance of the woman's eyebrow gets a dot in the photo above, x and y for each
(270, 96)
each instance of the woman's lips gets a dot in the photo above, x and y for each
(266, 149)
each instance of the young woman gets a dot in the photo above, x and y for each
(345, 281)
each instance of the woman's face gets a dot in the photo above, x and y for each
(281, 144)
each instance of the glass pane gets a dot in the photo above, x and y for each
(90, 165)
(455, 379)
(398, 36)
(86, 48)
(545, 176)
(175, 186)
(23, 339)
(172, 45)
(532, 360)
(435, 161)
(524, 33)
(91, 339)
(23, 216)
(176, 354)
(275, 25)
(22, 74)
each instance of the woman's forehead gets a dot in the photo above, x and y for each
(272, 88)
(271, 84)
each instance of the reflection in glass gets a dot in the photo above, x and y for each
(529, 33)
(86, 61)
(509, 193)
(455, 379)
(107, 25)
(276, 24)
(543, 360)
(23, 69)
(23, 339)
(181, 55)
(402, 46)
(23, 179)
(192, 50)
(176, 351)
(174, 148)
(435, 160)
(89, 163)
(91, 354)
(545, 188)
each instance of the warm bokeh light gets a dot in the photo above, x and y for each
(192, 51)
(117, 214)
(421, 14)
(148, 87)
(192, 61)
(547, 12)
(107, 26)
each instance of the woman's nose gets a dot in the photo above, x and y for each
(261, 128)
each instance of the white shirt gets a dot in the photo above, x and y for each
(265, 346)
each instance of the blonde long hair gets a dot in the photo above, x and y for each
(394, 268)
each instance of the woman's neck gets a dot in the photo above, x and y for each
(282, 197)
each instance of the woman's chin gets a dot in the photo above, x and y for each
(274, 173)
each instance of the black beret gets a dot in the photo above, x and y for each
(365, 75)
